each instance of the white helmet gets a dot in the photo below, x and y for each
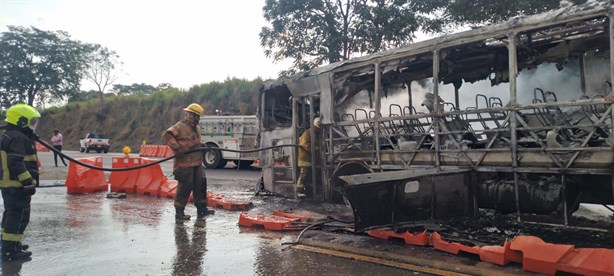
(316, 122)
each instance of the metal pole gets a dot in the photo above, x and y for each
(612, 82)
(314, 136)
(378, 84)
(436, 107)
(411, 99)
(295, 119)
(564, 198)
(582, 75)
(513, 73)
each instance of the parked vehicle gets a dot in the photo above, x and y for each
(94, 141)
(229, 132)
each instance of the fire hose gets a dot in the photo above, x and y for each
(207, 148)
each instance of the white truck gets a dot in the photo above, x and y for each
(94, 141)
(237, 132)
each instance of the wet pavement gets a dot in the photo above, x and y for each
(92, 235)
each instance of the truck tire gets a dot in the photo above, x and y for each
(106, 150)
(213, 159)
(87, 150)
(243, 164)
(98, 151)
(81, 149)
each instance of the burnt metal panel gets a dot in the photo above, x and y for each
(407, 195)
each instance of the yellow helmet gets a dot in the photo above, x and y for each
(22, 115)
(195, 108)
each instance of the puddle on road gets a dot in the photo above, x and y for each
(92, 235)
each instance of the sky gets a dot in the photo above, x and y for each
(181, 42)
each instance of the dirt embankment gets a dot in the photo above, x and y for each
(126, 122)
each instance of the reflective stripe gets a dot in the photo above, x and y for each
(31, 157)
(303, 164)
(5, 166)
(10, 184)
(11, 237)
(24, 175)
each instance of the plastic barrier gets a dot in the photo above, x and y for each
(124, 182)
(421, 239)
(41, 148)
(302, 218)
(540, 256)
(150, 179)
(269, 222)
(500, 255)
(84, 180)
(227, 203)
(588, 261)
(169, 188)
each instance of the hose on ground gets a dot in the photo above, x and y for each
(305, 230)
(207, 148)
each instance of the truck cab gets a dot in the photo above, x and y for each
(94, 141)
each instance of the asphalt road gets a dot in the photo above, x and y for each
(50, 172)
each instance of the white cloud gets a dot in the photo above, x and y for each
(181, 42)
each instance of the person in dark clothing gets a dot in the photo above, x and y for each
(188, 168)
(18, 178)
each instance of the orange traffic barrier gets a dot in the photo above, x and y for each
(168, 152)
(588, 261)
(169, 188)
(300, 217)
(150, 179)
(124, 182)
(500, 255)
(269, 222)
(142, 150)
(540, 256)
(84, 180)
(227, 203)
(409, 238)
(41, 148)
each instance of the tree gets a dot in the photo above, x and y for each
(101, 68)
(316, 32)
(37, 64)
(136, 88)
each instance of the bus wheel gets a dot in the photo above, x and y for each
(344, 169)
(213, 159)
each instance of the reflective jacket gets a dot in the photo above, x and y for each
(182, 137)
(304, 146)
(18, 159)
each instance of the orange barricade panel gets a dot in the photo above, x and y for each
(588, 261)
(41, 148)
(124, 182)
(142, 150)
(168, 188)
(500, 255)
(84, 180)
(150, 179)
(169, 152)
(442, 245)
(300, 217)
(539, 256)
(269, 222)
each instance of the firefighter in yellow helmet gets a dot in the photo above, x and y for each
(18, 177)
(304, 156)
(188, 168)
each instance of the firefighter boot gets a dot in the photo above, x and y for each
(204, 212)
(12, 251)
(180, 216)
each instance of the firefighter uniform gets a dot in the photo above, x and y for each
(18, 178)
(304, 156)
(188, 168)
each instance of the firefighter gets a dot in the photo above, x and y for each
(18, 178)
(304, 156)
(188, 168)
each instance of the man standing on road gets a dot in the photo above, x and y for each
(17, 178)
(188, 168)
(304, 157)
(57, 140)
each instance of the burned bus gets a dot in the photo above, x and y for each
(515, 117)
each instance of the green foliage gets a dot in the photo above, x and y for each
(102, 67)
(38, 65)
(135, 88)
(316, 32)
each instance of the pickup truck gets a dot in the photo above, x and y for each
(94, 141)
